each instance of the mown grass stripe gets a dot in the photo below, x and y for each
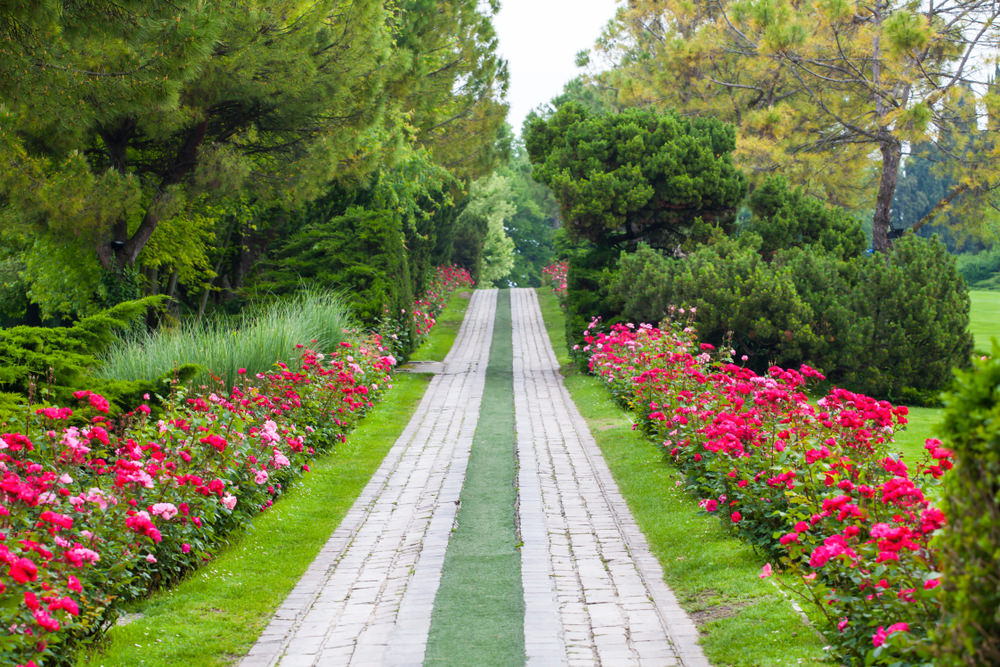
(479, 609)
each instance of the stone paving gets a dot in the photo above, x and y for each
(594, 594)
(367, 598)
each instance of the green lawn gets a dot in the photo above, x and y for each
(984, 318)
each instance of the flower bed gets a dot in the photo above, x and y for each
(423, 314)
(555, 275)
(815, 488)
(96, 512)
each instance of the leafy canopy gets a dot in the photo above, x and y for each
(637, 175)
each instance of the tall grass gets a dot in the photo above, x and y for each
(261, 336)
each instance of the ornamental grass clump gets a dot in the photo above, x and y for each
(263, 334)
(815, 488)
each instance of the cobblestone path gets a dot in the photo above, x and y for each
(593, 592)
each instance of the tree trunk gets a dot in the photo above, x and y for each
(892, 151)
(125, 250)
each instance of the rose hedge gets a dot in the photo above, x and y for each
(816, 488)
(96, 512)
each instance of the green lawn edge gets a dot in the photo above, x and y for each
(478, 616)
(744, 621)
(215, 615)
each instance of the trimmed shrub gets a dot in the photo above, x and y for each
(361, 253)
(969, 633)
(787, 218)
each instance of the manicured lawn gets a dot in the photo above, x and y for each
(744, 620)
(984, 318)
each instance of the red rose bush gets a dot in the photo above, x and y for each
(815, 486)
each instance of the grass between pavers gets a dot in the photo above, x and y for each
(445, 328)
(984, 318)
(478, 616)
(744, 621)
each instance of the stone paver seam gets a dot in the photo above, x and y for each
(568, 585)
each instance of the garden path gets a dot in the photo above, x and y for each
(593, 593)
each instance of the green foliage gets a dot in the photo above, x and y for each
(47, 365)
(786, 218)
(891, 326)
(736, 295)
(533, 222)
(981, 270)
(360, 253)
(13, 288)
(969, 633)
(587, 296)
(638, 175)
(914, 309)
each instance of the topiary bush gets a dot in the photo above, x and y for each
(969, 632)
(785, 218)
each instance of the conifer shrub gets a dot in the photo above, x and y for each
(360, 253)
(785, 218)
(48, 364)
(969, 632)
(892, 325)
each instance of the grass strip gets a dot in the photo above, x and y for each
(445, 328)
(215, 615)
(478, 614)
(984, 318)
(744, 621)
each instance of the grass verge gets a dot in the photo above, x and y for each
(744, 621)
(214, 616)
(445, 329)
(478, 614)
(984, 318)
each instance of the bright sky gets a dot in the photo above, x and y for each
(540, 40)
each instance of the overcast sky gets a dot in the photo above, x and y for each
(540, 40)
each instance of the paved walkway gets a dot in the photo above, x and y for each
(593, 592)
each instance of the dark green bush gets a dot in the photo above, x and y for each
(980, 269)
(49, 364)
(889, 325)
(913, 316)
(360, 253)
(786, 218)
(737, 296)
(969, 548)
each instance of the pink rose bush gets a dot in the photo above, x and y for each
(815, 487)
(555, 275)
(100, 512)
(423, 315)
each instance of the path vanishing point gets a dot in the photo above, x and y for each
(492, 533)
